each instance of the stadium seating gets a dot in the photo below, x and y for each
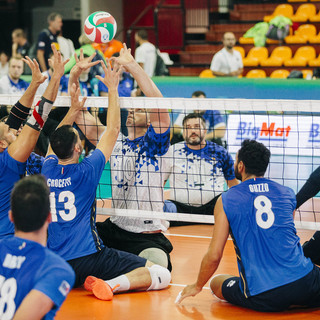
(256, 73)
(314, 62)
(277, 57)
(301, 57)
(207, 73)
(302, 34)
(282, 9)
(298, 0)
(315, 18)
(304, 13)
(280, 74)
(255, 56)
(307, 74)
(243, 40)
(241, 50)
(315, 39)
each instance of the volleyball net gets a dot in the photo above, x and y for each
(289, 128)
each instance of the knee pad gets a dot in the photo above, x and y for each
(155, 255)
(160, 277)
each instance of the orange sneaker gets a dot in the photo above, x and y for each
(99, 288)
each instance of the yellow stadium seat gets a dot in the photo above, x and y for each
(301, 57)
(241, 50)
(207, 73)
(315, 39)
(255, 56)
(277, 57)
(307, 73)
(282, 9)
(315, 18)
(256, 73)
(304, 12)
(243, 40)
(302, 34)
(298, 0)
(280, 74)
(314, 62)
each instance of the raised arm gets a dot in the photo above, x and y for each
(109, 138)
(25, 143)
(159, 118)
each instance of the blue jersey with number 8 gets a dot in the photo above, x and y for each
(269, 254)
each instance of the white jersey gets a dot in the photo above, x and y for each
(146, 54)
(138, 179)
(226, 62)
(197, 176)
(7, 86)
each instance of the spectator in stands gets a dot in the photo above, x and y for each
(227, 62)
(12, 84)
(46, 37)
(4, 64)
(66, 46)
(20, 44)
(198, 170)
(316, 74)
(215, 125)
(145, 53)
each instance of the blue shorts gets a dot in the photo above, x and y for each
(105, 264)
(304, 292)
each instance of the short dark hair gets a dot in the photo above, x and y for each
(62, 141)
(198, 94)
(53, 15)
(143, 34)
(30, 203)
(193, 115)
(255, 156)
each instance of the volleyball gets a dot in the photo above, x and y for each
(100, 27)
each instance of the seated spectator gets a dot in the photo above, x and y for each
(227, 62)
(215, 125)
(12, 84)
(4, 65)
(198, 170)
(20, 44)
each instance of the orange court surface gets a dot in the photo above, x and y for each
(190, 244)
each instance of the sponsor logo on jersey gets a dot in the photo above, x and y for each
(64, 287)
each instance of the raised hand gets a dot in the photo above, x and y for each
(125, 56)
(76, 104)
(83, 63)
(37, 76)
(111, 75)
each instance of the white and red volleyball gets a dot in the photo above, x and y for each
(100, 27)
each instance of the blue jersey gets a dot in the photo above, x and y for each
(269, 254)
(10, 172)
(27, 265)
(125, 86)
(34, 164)
(72, 233)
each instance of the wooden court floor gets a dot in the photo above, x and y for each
(190, 244)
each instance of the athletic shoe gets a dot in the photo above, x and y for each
(99, 288)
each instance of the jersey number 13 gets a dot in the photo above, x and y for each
(68, 199)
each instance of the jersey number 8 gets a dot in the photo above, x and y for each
(264, 214)
(8, 290)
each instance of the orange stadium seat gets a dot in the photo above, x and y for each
(256, 73)
(255, 56)
(282, 9)
(301, 57)
(277, 57)
(298, 0)
(243, 40)
(315, 39)
(315, 18)
(314, 62)
(241, 50)
(307, 74)
(207, 73)
(280, 74)
(304, 13)
(302, 34)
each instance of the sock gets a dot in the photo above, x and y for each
(40, 114)
(122, 280)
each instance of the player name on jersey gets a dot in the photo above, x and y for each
(260, 187)
(59, 183)
(13, 262)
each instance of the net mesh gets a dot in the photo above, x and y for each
(289, 128)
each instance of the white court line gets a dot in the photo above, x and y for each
(183, 285)
(189, 236)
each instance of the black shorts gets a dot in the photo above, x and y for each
(304, 292)
(206, 209)
(117, 238)
(105, 264)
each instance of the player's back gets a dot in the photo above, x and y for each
(72, 233)
(260, 214)
(27, 265)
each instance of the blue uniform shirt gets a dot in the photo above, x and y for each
(269, 254)
(34, 164)
(27, 265)
(10, 172)
(72, 233)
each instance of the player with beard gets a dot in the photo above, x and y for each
(198, 171)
